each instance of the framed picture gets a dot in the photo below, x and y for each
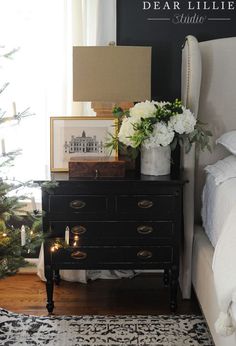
(79, 136)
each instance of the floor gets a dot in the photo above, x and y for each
(144, 294)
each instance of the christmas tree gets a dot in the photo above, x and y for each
(15, 240)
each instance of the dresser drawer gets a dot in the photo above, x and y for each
(73, 204)
(96, 257)
(109, 232)
(156, 205)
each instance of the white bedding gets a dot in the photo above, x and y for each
(223, 266)
(219, 222)
(217, 203)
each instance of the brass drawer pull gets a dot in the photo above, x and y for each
(77, 204)
(79, 255)
(144, 229)
(144, 254)
(145, 204)
(78, 230)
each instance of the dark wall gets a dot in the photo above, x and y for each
(165, 29)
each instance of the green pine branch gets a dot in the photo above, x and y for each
(11, 203)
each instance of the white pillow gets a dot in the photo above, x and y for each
(228, 140)
(223, 170)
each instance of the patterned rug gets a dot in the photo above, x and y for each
(184, 330)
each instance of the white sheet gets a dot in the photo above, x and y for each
(217, 203)
(223, 170)
(223, 266)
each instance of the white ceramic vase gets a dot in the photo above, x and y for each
(155, 161)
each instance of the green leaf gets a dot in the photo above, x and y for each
(118, 112)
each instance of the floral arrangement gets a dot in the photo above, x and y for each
(158, 124)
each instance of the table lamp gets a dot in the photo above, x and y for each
(111, 75)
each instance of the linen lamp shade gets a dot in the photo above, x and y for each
(111, 74)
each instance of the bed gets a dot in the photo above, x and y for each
(208, 89)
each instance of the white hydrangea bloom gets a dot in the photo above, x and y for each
(126, 131)
(145, 109)
(160, 103)
(162, 136)
(183, 123)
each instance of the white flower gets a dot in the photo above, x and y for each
(183, 123)
(126, 131)
(140, 110)
(162, 136)
(145, 109)
(160, 103)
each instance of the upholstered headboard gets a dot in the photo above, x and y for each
(213, 64)
(209, 90)
(217, 103)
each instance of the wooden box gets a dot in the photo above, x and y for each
(96, 167)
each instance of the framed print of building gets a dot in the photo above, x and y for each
(79, 137)
(84, 145)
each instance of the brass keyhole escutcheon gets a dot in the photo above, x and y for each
(78, 230)
(145, 204)
(77, 204)
(79, 255)
(144, 254)
(144, 229)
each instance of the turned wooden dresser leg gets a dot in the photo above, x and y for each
(166, 277)
(49, 288)
(57, 278)
(173, 288)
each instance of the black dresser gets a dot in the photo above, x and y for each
(124, 223)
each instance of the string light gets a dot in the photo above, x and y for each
(55, 247)
(76, 240)
(58, 245)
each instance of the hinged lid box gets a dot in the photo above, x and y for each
(96, 167)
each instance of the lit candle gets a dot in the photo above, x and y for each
(14, 108)
(3, 147)
(23, 235)
(67, 235)
(76, 241)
